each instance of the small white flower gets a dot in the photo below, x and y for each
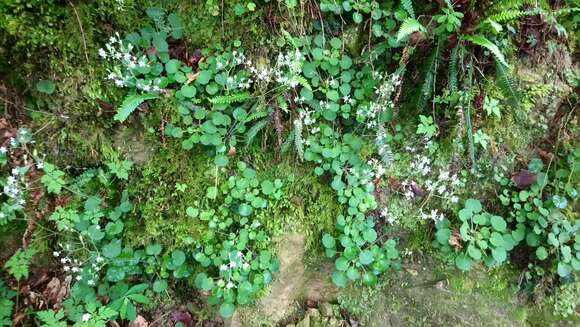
(230, 285)
(79, 277)
(245, 266)
(3, 150)
(91, 282)
(40, 165)
(56, 254)
(100, 259)
(233, 264)
(223, 267)
(102, 53)
(75, 269)
(86, 317)
(66, 268)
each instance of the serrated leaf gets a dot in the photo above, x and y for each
(131, 103)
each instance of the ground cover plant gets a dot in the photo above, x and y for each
(176, 163)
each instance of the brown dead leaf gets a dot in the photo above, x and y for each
(56, 291)
(455, 240)
(139, 322)
(524, 178)
(232, 151)
(105, 105)
(181, 316)
(191, 77)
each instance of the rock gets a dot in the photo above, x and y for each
(326, 309)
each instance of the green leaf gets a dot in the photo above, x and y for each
(245, 210)
(159, 285)
(463, 262)
(498, 223)
(45, 86)
(541, 253)
(473, 205)
(409, 26)
(131, 103)
(370, 235)
(188, 91)
(339, 278)
(366, 257)
(328, 241)
(341, 264)
(112, 249)
(482, 41)
(352, 273)
(499, 254)
(153, 249)
(227, 310)
(177, 257)
(267, 187)
(369, 279)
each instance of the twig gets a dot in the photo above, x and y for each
(82, 31)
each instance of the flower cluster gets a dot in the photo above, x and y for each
(229, 272)
(286, 71)
(370, 113)
(77, 269)
(129, 67)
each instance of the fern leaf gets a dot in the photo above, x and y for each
(409, 26)
(304, 82)
(131, 103)
(507, 86)
(254, 130)
(231, 98)
(429, 79)
(482, 41)
(408, 6)
(510, 15)
(453, 69)
(282, 103)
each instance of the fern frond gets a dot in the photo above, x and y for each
(254, 130)
(510, 15)
(231, 98)
(453, 69)
(256, 115)
(429, 79)
(408, 6)
(282, 103)
(409, 26)
(304, 82)
(482, 41)
(507, 86)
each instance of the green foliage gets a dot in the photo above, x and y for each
(482, 237)
(6, 304)
(53, 178)
(548, 223)
(18, 263)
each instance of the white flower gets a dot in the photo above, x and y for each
(233, 264)
(56, 254)
(75, 269)
(3, 150)
(245, 266)
(454, 199)
(66, 268)
(102, 53)
(230, 285)
(223, 267)
(40, 165)
(91, 282)
(86, 317)
(100, 259)
(79, 277)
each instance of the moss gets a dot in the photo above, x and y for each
(160, 216)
